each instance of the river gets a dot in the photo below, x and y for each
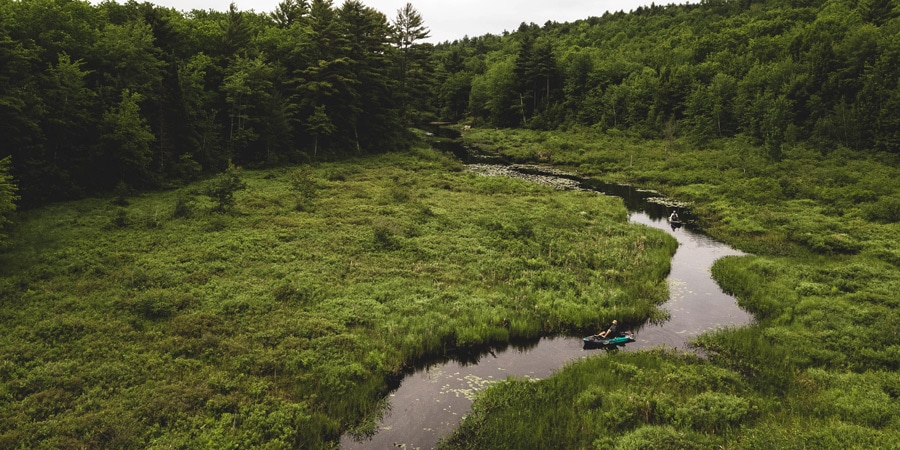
(430, 403)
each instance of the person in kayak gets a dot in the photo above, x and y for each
(610, 332)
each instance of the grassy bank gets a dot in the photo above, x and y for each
(803, 202)
(819, 369)
(153, 321)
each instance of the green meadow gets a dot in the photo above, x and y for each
(819, 366)
(275, 308)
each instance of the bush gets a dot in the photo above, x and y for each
(222, 188)
(386, 234)
(156, 304)
(303, 183)
(829, 243)
(304, 295)
(184, 206)
(886, 210)
(120, 220)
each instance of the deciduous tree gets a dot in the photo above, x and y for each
(124, 145)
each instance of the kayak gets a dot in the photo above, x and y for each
(598, 342)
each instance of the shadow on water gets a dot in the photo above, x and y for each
(434, 395)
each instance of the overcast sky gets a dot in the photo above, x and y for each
(453, 19)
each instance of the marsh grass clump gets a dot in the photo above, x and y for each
(386, 234)
(630, 400)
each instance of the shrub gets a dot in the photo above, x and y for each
(121, 192)
(120, 220)
(386, 234)
(886, 210)
(157, 303)
(184, 206)
(829, 243)
(304, 295)
(222, 188)
(303, 183)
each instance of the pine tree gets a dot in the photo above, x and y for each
(289, 12)
(409, 31)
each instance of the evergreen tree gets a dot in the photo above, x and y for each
(289, 12)
(412, 74)
(68, 124)
(369, 115)
(235, 32)
(19, 117)
(312, 83)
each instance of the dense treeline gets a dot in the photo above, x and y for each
(777, 72)
(139, 96)
(134, 95)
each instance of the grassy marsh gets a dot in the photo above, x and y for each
(819, 368)
(160, 323)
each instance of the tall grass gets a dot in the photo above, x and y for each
(285, 319)
(817, 369)
(631, 400)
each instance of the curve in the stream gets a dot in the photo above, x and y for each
(430, 403)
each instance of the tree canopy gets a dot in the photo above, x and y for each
(93, 96)
(314, 80)
(823, 71)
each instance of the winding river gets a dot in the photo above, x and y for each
(430, 403)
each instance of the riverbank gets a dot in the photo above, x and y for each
(825, 265)
(429, 404)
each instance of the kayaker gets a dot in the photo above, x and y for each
(674, 217)
(611, 331)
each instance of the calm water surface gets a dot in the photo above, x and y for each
(430, 403)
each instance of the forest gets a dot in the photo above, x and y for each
(136, 96)
(227, 229)
(777, 72)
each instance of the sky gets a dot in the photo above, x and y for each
(452, 19)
